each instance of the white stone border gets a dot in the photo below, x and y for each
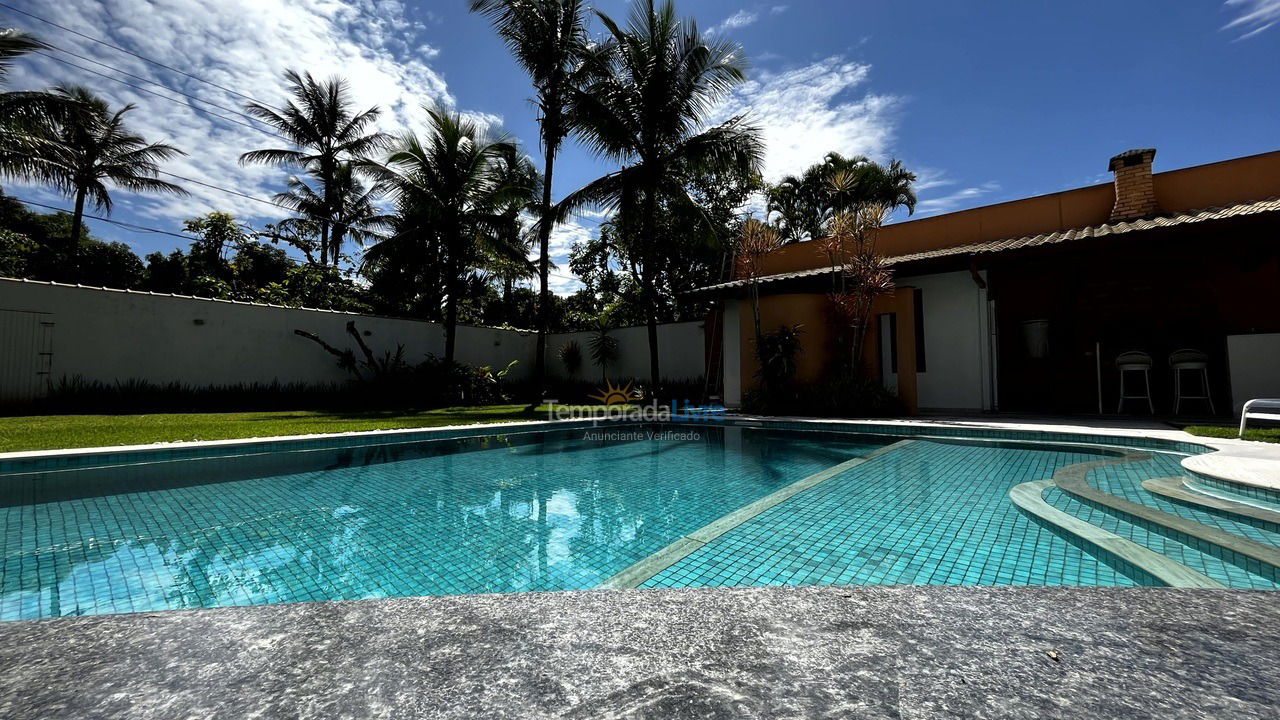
(1240, 461)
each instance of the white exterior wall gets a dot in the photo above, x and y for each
(681, 352)
(957, 347)
(110, 335)
(1255, 367)
(113, 335)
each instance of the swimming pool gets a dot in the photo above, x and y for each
(532, 509)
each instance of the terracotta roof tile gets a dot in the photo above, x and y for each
(1060, 236)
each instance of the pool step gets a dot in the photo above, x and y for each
(1118, 550)
(1254, 557)
(1177, 489)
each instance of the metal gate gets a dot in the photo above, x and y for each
(26, 355)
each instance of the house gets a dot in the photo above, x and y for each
(1025, 305)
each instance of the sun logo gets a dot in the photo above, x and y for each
(614, 394)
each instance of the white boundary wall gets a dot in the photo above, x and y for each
(681, 352)
(114, 335)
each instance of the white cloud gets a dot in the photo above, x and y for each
(778, 9)
(245, 45)
(738, 20)
(563, 238)
(809, 111)
(1255, 16)
(930, 180)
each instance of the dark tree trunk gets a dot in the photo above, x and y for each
(77, 219)
(451, 316)
(544, 269)
(650, 295)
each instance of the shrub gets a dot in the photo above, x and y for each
(571, 356)
(776, 353)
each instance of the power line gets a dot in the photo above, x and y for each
(237, 193)
(152, 92)
(127, 226)
(126, 73)
(158, 231)
(144, 58)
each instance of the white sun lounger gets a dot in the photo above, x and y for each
(1259, 409)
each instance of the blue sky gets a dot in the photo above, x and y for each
(985, 101)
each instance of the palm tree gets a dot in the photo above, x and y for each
(25, 116)
(508, 257)
(651, 87)
(451, 195)
(327, 135)
(354, 213)
(548, 39)
(90, 149)
(804, 207)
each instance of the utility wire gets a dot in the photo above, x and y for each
(144, 58)
(128, 226)
(152, 92)
(237, 193)
(126, 73)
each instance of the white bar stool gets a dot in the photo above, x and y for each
(1135, 361)
(1189, 359)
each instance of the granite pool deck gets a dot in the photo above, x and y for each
(890, 652)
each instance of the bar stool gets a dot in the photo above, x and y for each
(1190, 359)
(1135, 361)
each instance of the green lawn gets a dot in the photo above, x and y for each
(50, 432)
(1229, 431)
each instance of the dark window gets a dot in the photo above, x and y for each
(892, 321)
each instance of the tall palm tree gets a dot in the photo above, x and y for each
(548, 39)
(652, 86)
(450, 192)
(91, 149)
(327, 135)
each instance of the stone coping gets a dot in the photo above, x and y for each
(1176, 489)
(1234, 466)
(866, 652)
(1029, 497)
(1241, 551)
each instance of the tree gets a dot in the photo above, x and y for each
(604, 349)
(450, 194)
(548, 39)
(24, 115)
(804, 208)
(508, 260)
(328, 137)
(650, 89)
(354, 214)
(90, 149)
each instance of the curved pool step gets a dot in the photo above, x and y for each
(1029, 497)
(1177, 489)
(1243, 552)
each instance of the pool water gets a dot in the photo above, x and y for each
(526, 511)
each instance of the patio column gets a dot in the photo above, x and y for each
(731, 354)
(904, 301)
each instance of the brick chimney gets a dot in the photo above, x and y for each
(1135, 193)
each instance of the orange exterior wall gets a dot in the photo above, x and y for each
(809, 310)
(817, 341)
(1241, 180)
